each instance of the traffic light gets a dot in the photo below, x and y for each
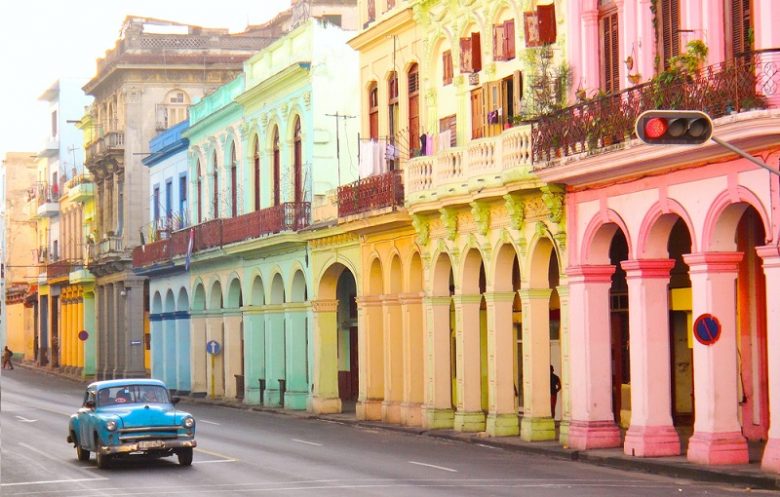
(666, 127)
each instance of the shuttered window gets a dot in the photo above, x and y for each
(739, 26)
(470, 54)
(373, 112)
(414, 108)
(546, 16)
(449, 123)
(669, 42)
(504, 40)
(610, 58)
(446, 64)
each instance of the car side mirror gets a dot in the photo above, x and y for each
(89, 404)
(175, 400)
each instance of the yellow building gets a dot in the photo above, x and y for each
(20, 276)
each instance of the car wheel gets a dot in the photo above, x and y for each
(82, 454)
(103, 460)
(185, 456)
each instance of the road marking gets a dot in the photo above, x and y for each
(434, 466)
(214, 461)
(208, 422)
(487, 446)
(306, 442)
(48, 482)
(215, 454)
(25, 420)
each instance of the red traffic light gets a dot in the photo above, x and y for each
(666, 127)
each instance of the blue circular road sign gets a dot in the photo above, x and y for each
(213, 347)
(706, 329)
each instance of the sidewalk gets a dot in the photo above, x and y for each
(747, 476)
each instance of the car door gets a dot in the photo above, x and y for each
(85, 416)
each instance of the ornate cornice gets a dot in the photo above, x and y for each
(422, 227)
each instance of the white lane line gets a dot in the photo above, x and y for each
(40, 452)
(208, 422)
(434, 466)
(215, 454)
(25, 420)
(214, 461)
(48, 482)
(306, 442)
(486, 446)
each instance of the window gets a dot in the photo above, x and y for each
(169, 199)
(446, 64)
(373, 111)
(156, 205)
(669, 36)
(739, 26)
(277, 158)
(371, 5)
(298, 162)
(390, 4)
(413, 80)
(539, 26)
(54, 124)
(609, 53)
(477, 113)
(215, 182)
(233, 182)
(449, 123)
(392, 114)
(504, 40)
(500, 101)
(173, 110)
(182, 200)
(257, 172)
(470, 54)
(199, 198)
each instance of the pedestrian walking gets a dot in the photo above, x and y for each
(7, 354)
(555, 387)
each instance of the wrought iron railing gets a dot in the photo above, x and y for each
(734, 86)
(371, 193)
(46, 193)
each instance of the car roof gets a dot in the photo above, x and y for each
(127, 381)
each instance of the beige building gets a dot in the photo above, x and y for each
(20, 274)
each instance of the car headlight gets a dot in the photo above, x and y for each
(111, 425)
(188, 422)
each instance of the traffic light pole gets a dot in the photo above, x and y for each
(746, 155)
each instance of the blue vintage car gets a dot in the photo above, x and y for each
(133, 416)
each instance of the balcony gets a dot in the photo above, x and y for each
(465, 170)
(79, 275)
(57, 270)
(748, 82)
(152, 253)
(110, 247)
(382, 191)
(48, 200)
(111, 143)
(80, 188)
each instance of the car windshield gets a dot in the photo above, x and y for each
(132, 394)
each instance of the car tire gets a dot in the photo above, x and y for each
(81, 454)
(185, 456)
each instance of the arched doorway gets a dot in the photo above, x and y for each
(276, 345)
(347, 336)
(233, 348)
(297, 340)
(215, 365)
(441, 394)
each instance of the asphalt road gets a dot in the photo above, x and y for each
(246, 453)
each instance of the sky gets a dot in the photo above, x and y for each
(42, 41)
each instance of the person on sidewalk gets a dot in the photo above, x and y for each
(7, 354)
(555, 387)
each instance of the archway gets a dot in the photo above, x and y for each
(297, 340)
(414, 345)
(183, 368)
(255, 344)
(157, 338)
(276, 345)
(215, 331)
(170, 345)
(233, 350)
(441, 374)
(198, 324)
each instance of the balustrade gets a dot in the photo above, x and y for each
(371, 193)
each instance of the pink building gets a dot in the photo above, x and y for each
(660, 235)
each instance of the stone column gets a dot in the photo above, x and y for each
(502, 417)
(413, 359)
(438, 411)
(276, 350)
(325, 395)
(592, 420)
(156, 326)
(537, 422)
(254, 353)
(393, 359)
(232, 351)
(771, 256)
(469, 415)
(171, 345)
(183, 352)
(652, 432)
(215, 364)
(131, 333)
(297, 356)
(90, 345)
(80, 345)
(371, 358)
(198, 373)
(717, 437)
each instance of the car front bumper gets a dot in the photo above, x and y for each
(147, 446)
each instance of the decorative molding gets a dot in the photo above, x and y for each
(480, 211)
(422, 227)
(284, 110)
(449, 221)
(330, 241)
(516, 209)
(307, 100)
(552, 196)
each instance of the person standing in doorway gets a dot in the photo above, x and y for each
(7, 354)
(555, 387)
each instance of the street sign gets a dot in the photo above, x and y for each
(213, 347)
(706, 329)
(83, 335)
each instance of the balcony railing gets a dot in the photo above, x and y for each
(110, 142)
(371, 193)
(738, 85)
(110, 246)
(464, 168)
(47, 194)
(289, 216)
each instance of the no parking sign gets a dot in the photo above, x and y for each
(706, 329)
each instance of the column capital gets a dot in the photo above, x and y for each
(535, 293)
(648, 268)
(770, 254)
(369, 300)
(601, 273)
(713, 262)
(499, 297)
(590, 17)
(466, 299)
(324, 305)
(438, 299)
(411, 298)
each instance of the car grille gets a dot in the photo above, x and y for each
(148, 432)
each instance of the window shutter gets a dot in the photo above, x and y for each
(675, 24)
(465, 55)
(509, 39)
(531, 29)
(446, 64)
(517, 91)
(547, 31)
(476, 53)
(499, 45)
(615, 76)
